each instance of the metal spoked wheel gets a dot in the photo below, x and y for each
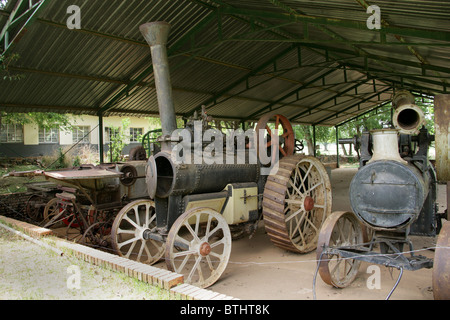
(297, 200)
(286, 135)
(127, 234)
(341, 229)
(441, 265)
(199, 246)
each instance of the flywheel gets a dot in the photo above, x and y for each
(297, 200)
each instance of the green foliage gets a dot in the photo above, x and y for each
(5, 73)
(77, 161)
(46, 120)
(118, 141)
(370, 121)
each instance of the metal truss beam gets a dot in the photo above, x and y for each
(351, 106)
(342, 92)
(15, 26)
(243, 79)
(334, 22)
(289, 94)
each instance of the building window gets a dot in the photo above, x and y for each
(111, 132)
(11, 133)
(81, 134)
(136, 134)
(48, 135)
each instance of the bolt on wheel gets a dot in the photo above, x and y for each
(199, 246)
(127, 234)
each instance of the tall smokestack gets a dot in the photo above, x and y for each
(156, 35)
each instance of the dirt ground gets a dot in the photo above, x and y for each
(259, 271)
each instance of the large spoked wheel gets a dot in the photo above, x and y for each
(286, 135)
(127, 234)
(341, 229)
(199, 246)
(441, 265)
(297, 200)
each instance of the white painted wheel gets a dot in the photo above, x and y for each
(198, 246)
(128, 229)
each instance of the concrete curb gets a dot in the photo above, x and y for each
(161, 278)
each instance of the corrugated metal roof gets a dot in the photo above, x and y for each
(313, 61)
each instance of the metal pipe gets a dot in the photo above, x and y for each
(156, 35)
(407, 117)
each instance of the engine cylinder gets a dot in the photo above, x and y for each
(183, 179)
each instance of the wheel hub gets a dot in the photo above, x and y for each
(308, 203)
(205, 249)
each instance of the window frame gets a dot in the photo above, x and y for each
(85, 136)
(17, 132)
(43, 133)
(133, 135)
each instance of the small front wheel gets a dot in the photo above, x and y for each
(198, 246)
(127, 234)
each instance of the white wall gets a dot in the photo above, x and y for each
(31, 131)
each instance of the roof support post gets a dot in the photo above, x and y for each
(314, 139)
(337, 146)
(101, 146)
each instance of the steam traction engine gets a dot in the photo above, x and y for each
(195, 208)
(392, 196)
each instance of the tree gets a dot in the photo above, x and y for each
(45, 120)
(117, 141)
(306, 132)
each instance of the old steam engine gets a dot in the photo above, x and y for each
(196, 209)
(393, 195)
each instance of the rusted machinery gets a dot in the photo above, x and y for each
(82, 202)
(196, 208)
(393, 196)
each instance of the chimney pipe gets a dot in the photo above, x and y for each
(156, 35)
(408, 118)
